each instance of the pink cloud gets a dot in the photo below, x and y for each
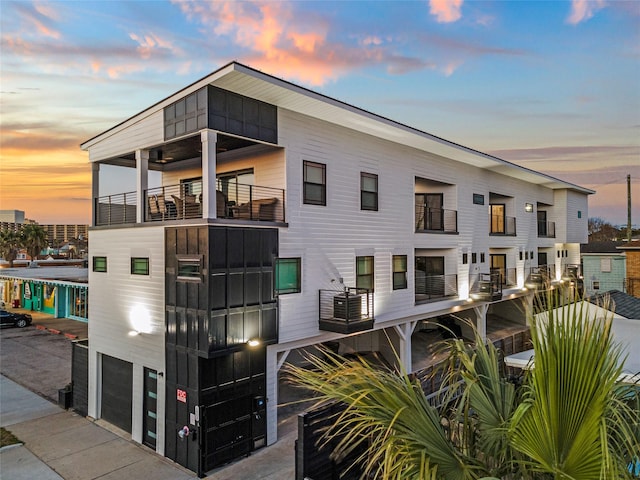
(42, 16)
(150, 42)
(446, 11)
(583, 10)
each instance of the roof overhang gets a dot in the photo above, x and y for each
(249, 82)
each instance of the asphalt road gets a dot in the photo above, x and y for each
(36, 359)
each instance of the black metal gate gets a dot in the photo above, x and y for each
(80, 376)
(313, 457)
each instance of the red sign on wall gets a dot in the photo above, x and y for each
(182, 395)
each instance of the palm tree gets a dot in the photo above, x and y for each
(34, 239)
(570, 418)
(9, 244)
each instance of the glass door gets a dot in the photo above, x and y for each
(150, 408)
(499, 265)
(497, 218)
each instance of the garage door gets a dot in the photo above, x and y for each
(117, 385)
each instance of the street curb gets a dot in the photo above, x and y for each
(71, 336)
(40, 327)
(54, 331)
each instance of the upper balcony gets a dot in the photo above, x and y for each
(346, 311)
(436, 220)
(502, 225)
(546, 229)
(175, 202)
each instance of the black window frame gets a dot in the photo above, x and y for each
(371, 195)
(361, 276)
(134, 269)
(276, 272)
(95, 264)
(307, 185)
(399, 276)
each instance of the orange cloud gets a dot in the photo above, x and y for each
(583, 10)
(446, 11)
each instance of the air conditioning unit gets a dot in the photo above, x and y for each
(347, 307)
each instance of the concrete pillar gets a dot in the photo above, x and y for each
(209, 139)
(275, 360)
(142, 183)
(95, 190)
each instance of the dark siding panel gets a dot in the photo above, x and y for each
(80, 377)
(117, 386)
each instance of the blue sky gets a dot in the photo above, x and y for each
(550, 85)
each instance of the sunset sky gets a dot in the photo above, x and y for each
(550, 85)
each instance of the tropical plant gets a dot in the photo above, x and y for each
(569, 418)
(34, 239)
(9, 245)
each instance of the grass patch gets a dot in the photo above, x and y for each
(7, 438)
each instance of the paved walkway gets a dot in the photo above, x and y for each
(60, 444)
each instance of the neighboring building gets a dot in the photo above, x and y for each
(632, 253)
(291, 219)
(11, 216)
(59, 291)
(603, 267)
(60, 234)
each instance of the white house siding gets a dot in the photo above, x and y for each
(145, 133)
(328, 238)
(112, 296)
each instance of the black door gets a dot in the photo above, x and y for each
(542, 223)
(429, 211)
(430, 276)
(150, 408)
(117, 385)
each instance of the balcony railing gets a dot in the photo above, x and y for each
(540, 277)
(508, 276)
(547, 229)
(502, 225)
(346, 311)
(485, 286)
(115, 209)
(184, 201)
(435, 287)
(436, 219)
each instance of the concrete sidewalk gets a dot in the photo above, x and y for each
(61, 444)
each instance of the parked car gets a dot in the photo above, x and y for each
(15, 319)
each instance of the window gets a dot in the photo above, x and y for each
(315, 183)
(99, 264)
(139, 266)
(465, 258)
(189, 269)
(605, 264)
(364, 272)
(520, 255)
(596, 285)
(287, 275)
(474, 257)
(399, 272)
(368, 191)
(481, 257)
(478, 199)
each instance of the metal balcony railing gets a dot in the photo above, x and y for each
(508, 276)
(115, 209)
(434, 287)
(436, 219)
(547, 229)
(485, 286)
(184, 201)
(346, 311)
(502, 225)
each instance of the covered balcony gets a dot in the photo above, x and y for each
(546, 229)
(486, 287)
(346, 311)
(436, 219)
(430, 198)
(177, 182)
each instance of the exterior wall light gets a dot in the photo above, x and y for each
(528, 207)
(254, 342)
(140, 320)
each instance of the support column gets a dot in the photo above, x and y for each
(481, 320)
(275, 360)
(95, 191)
(209, 139)
(142, 183)
(404, 332)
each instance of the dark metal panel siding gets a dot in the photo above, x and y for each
(117, 391)
(232, 113)
(80, 376)
(187, 115)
